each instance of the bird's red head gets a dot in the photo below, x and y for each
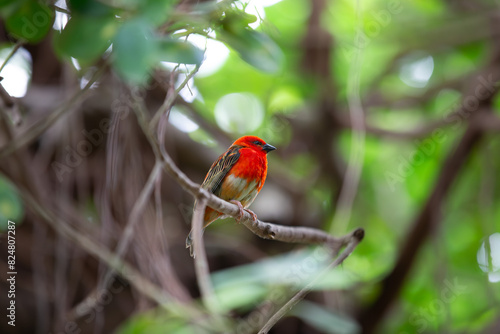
(255, 143)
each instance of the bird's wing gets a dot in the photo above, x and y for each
(219, 170)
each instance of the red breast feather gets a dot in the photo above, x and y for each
(243, 181)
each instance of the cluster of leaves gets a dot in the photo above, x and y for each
(139, 34)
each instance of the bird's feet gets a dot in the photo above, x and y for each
(240, 216)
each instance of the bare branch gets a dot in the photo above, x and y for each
(200, 261)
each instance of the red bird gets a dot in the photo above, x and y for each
(236, 176)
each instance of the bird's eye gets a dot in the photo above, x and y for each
(257, 143)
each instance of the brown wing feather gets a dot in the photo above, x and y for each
(219, 170)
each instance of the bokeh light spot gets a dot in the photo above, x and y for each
(488, 257)
(239, 113)
(17, 72)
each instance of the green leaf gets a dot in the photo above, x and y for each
(177, 51)
(134, 50)
(86, 38)
(256, 48)
(31, 21)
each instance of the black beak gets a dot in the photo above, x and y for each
(268, 148)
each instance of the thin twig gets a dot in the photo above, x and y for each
(62, 10)
(170, 98)
(356, 237)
